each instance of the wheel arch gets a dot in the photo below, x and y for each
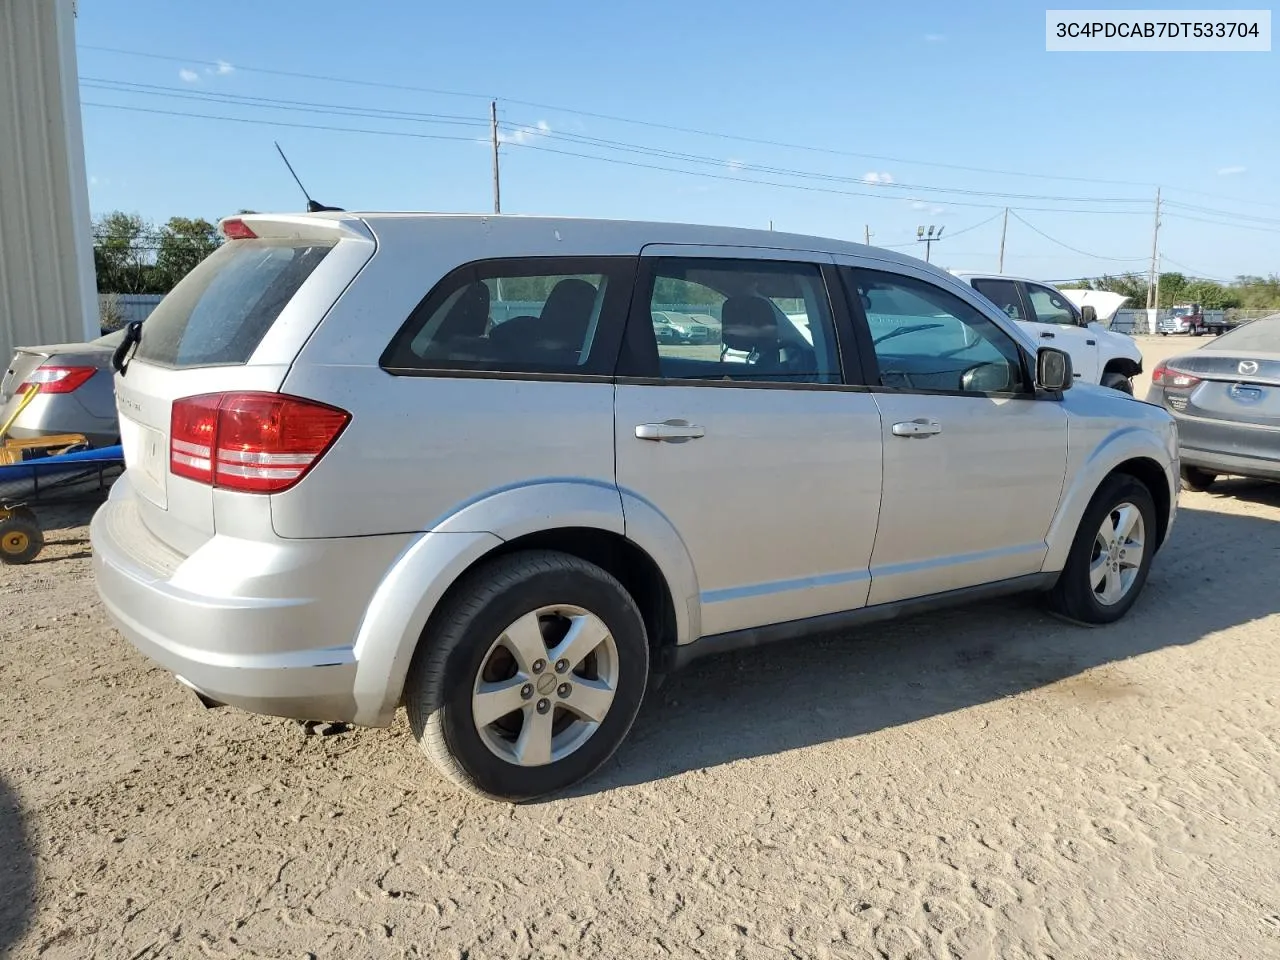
(1123, 366)
(1134, 453)
(578, 518)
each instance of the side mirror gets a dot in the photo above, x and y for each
(1088, 315)
(1053, 370)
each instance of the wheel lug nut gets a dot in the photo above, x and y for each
(544, 705)
(526, 691)
(562, 666)
(539, 666)
(564, 690)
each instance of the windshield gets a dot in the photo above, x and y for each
(1261, 336)
(1181, 312)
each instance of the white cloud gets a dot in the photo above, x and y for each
(931, 208)
(525, 134)
(224, 68)
(874, 177)
(93, 181)
(1230, 171)
(189, 76)
(734, 164)
(934, 38)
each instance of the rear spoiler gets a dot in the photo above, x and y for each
(325, 227)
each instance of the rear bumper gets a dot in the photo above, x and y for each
(267, 627)
(1223, 446)
(1218, 462)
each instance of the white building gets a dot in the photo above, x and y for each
(47, 288)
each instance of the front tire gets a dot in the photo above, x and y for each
(1193, 478)
(529, 677)
(1118, 381)
(1111, 554)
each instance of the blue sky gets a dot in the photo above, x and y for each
(898, 99)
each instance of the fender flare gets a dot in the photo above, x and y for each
(420, 576)
(1130, 443)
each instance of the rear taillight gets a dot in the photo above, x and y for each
(255, 442)
(1165, 377)
(57, 379)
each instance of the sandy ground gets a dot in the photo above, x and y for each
(986, 783)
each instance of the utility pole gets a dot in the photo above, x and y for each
(1153, 284)
(493, 129)
(866, 234)
(1003, 230)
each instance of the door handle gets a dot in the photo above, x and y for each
(920, 427)
(1092, 343)
(1046, 335)
(670, 431)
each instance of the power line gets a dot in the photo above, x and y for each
(807, 174)
(282, 123)
(304, 106)
(761, 141)
(155, 90)
(1224, 213)
(1223, 223)
(1066, 246)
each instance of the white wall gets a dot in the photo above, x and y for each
(47, 287)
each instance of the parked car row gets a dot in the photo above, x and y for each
(1097, 355)
(1225, 399)
(348, 490)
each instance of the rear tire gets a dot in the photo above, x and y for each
(1195, 479)
(1118, 381)
(21, 538)
(498, 635)
(1101, 580)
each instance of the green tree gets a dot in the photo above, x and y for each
(183, 243)
(122, 253)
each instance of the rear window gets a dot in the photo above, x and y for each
(1260, 335)
(558, 316)
(223, 308)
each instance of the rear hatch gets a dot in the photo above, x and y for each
(235, 323)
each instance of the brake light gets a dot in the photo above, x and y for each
(57, 379)
(236, 229)
(252, 442)
(1173, 378)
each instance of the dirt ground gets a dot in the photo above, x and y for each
(980, 784)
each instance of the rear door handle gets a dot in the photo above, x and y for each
(1092, 343)
(920, 427)
(670, 431)
(1046, 335)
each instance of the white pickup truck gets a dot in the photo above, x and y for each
(1098, 355)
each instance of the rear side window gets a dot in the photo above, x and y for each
(223, 308)
(535, 315)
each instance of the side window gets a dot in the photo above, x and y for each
(750, 320)
(1050, 306)
(928, 339)
(1004, 294)
(523, 316)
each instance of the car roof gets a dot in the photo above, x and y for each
(979, 275)
(638, 232)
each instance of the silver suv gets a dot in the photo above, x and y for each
(445, 462)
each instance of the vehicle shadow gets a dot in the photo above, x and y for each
(17, 871)
(773, 699)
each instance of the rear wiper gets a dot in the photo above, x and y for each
(132, 336)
